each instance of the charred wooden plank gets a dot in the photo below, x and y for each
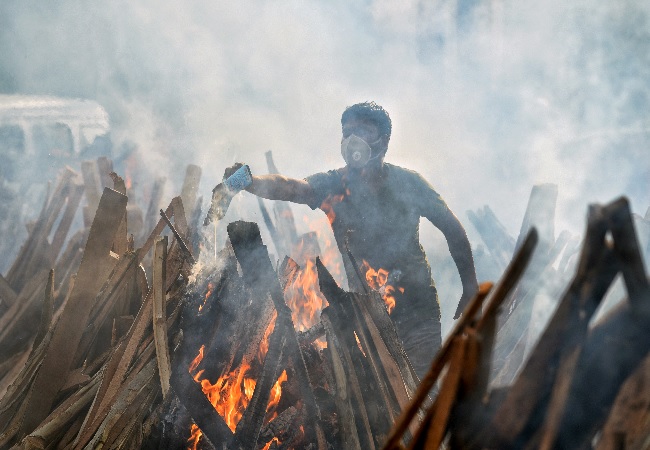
(628, 421)
(256, 267)
(277, 426)
(192, 398)
(250, 425)
(519, 416)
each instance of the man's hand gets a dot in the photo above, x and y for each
(232, 169)
(468, 294)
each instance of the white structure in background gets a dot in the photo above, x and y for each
(41, 125)
(39, 135)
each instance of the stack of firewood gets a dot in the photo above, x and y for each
(114, 362)
(583, 385)
(147, 340)
(93, 370)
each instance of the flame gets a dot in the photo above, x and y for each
(377, 280)
(268, 445)
(304, 298)
(356, 337)
(207, 295)
(328, 205)
(232, 392)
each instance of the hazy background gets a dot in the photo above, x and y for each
(487, 98)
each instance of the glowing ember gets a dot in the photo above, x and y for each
(378, 280)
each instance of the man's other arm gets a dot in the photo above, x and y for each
(459, 247)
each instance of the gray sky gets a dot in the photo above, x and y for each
(487, 98)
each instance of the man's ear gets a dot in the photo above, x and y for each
(384, 143)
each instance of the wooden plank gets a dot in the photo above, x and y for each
(190, 187)
(343, 391)
(68, 331)
(16, 330)
(118, 366)
(47, 311)
(120, 246)
(437, 365)
(257, 268)
(91, 185)
(284, 220)
(74, 199)
(151, 215)
(540, 214)
(499, 243)
(191, 397)
(32, 255)
(532, 390)
(159, 316)
(66, 412)
(434, 426)
(628, 423)
(280, 424)
(104, 169)
(250, 425)
(7, 295)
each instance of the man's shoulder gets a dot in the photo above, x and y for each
(410, 178)
(333, 175)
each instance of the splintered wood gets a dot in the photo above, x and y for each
(122, 335)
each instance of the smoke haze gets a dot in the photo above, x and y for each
(487, 98)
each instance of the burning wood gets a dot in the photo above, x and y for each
(207, 358)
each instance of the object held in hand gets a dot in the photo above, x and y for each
(223, 193)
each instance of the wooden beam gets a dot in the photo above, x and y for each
(159, 284)
(69, 328)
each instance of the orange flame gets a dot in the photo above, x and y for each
(304, 298)
(377, 280)
(328, 206)
(207, 295)
(232, 392)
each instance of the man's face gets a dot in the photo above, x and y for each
(364, 129)
(369, 132)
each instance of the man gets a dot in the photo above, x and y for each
(374, 209)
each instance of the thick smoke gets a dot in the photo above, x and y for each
(487, 97)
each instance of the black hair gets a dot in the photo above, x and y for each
(372, 112)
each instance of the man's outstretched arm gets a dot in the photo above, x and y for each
(276, 187)
(445, 220)
(279, 187)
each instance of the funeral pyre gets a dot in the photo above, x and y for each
(143, 342)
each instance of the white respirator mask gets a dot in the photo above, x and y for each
(356, 152)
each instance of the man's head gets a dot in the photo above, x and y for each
(369, 122)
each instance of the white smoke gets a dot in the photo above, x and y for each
(487, 97)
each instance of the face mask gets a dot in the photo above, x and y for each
(356, 152)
